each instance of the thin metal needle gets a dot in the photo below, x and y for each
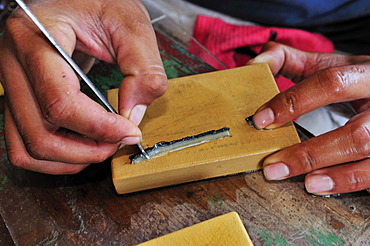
(70, 61)
(143, 151)
(65, 55)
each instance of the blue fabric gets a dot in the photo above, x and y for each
(306, 12)
(345, 22)
(296, 13)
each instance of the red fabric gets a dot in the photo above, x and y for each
(224, 40)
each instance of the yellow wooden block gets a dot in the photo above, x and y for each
(226, 229)
(197, 104)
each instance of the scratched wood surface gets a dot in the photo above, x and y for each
(84, 209)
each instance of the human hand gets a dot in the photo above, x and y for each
(335, 162)
(50, 125)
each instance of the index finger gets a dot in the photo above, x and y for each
(335, 84)
(56, 86)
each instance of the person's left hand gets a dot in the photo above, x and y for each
(336, 162)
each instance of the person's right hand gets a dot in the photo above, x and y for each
(50, 125)
(337, 161)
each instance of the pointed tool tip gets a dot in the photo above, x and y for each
(143, 151)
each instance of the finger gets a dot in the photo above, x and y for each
(327, 86)
(339, 179)
(339, 83)
(345, 144)
(298, 65)
(58, 93)
(19, 157)
(139, 61)
(42, 139)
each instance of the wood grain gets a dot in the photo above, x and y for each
(197, 104)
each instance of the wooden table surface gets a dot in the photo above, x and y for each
(83, 209)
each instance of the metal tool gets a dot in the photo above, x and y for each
(70, 61)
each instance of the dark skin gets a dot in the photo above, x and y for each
(335, 162)
(51, 127)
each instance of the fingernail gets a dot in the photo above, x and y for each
(263, 118)
(319, 183)
(251, 61)
(130, 140)
(137, 114)
(277, 171)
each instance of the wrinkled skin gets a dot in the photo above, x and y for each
(50, 126)
(335, 162)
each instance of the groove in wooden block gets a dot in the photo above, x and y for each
(197, 104)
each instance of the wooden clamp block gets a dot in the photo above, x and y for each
(197, 104)
(226, 229)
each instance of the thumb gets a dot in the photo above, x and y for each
(138, 58)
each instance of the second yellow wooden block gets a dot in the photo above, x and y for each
(223, 230)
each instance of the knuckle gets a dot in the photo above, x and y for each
(38, 149)
(360, 138)
(359, 69)
(356, 180)
(157, 84)
(57, 110)
(307, 161)
(334, 81)
(291, 100)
